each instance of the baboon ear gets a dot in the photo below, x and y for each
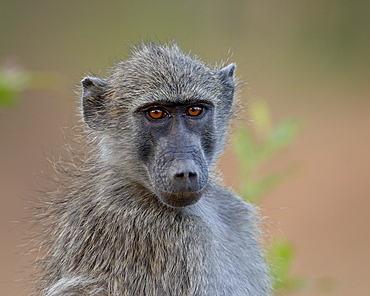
(93, 105)
(227, 78)
(227, 74)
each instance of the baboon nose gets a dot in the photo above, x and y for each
(186, 175)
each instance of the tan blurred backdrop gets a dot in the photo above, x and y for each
(306, 59)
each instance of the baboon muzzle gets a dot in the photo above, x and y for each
(181, 182)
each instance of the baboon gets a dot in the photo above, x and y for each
(144, 212)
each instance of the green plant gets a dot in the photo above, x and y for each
(280, 258)
(254, 148)
(12, 83)
(14, 80)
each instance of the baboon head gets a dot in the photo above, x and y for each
(160, 118)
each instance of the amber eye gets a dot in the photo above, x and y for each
(194, 111)
(157, 113)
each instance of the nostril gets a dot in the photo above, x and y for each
(192, 174)
(185, 175)
(180, 175)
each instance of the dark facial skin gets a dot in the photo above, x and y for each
(174, 139)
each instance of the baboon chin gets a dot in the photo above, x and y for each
(141, 212)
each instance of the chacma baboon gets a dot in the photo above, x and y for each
(143, 213)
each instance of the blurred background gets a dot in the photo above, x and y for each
(308, 60)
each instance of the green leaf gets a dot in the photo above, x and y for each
(260, 114)
(253, 190)
(245, 148)
(8, 97)
(282, 135)
(280, 257)
(12, 83)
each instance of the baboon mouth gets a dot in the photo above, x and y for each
(179, 199)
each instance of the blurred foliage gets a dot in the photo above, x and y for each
(254, 147)
(12, 83)
(280, 258)
(14, 80)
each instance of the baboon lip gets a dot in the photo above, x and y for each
(179, 199)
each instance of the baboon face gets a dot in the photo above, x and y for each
(170, 113)
(177, 137)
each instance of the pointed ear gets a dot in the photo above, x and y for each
(227, 79)
(93, 102)
(227, 74)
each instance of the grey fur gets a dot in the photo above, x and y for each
(107, 230)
